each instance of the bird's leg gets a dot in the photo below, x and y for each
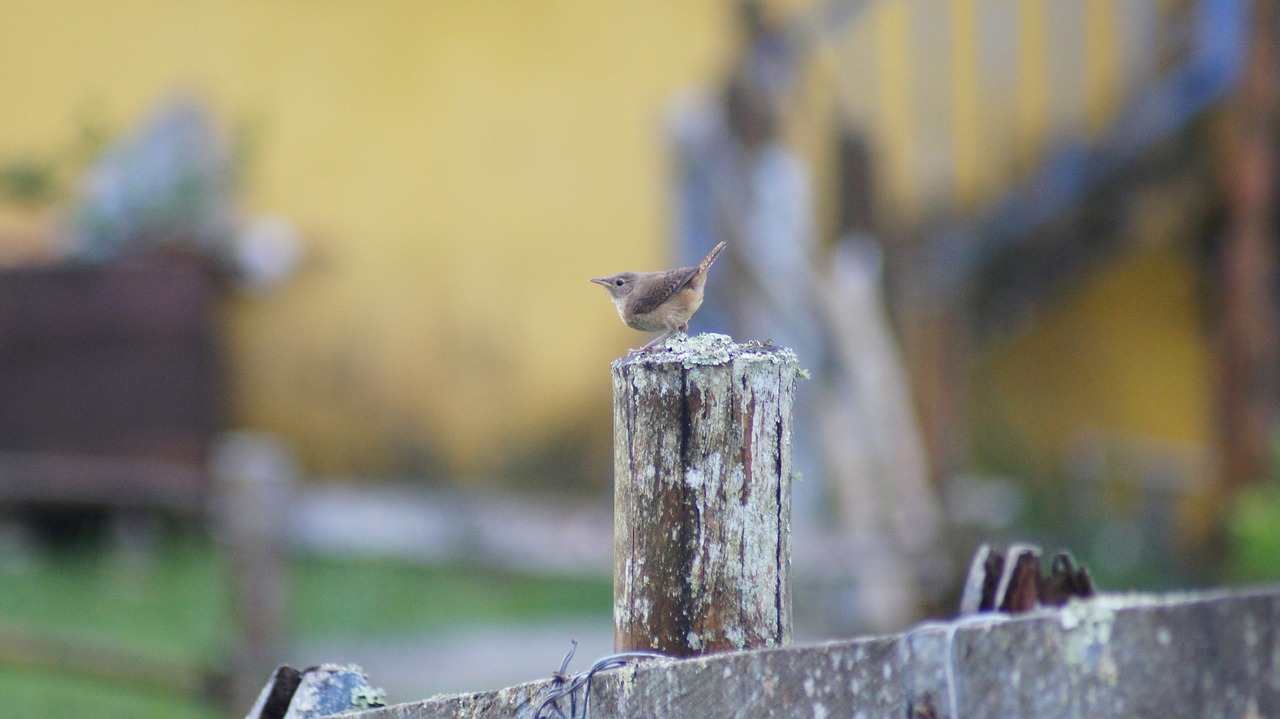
(671, 329)
(648, 346)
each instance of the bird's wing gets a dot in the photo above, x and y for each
(672, 282)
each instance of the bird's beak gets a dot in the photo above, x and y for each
(600, 281)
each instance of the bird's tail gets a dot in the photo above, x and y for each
(711, 256)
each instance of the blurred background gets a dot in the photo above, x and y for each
(299, 361)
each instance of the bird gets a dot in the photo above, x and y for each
(659, 301)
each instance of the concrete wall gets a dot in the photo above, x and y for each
(1194, 655)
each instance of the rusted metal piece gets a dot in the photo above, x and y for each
(1015, 582)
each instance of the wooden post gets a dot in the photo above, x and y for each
(702, 497)
(254, 475)
(1248, 348)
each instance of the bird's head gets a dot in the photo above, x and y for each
(619, 286)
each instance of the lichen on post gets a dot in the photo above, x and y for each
(702, 496)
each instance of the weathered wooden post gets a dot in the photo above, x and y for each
(702, 497)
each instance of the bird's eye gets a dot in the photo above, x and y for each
(619, 283)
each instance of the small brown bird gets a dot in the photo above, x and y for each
(659, 301)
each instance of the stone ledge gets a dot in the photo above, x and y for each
(1204, 654)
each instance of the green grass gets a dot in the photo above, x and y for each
(35, 694)
(170, 602)
(334, 597)
(174, 603)
(1254, 533)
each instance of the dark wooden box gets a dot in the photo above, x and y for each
(109, 382)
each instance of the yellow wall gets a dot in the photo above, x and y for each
(459, 168)
(1123, 353)
(962, 98)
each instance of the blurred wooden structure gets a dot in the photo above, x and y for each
(111, 399)
(110, 384)
(1247, 319)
